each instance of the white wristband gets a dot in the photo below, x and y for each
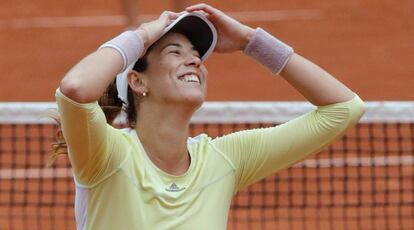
(269, 51)
(131, 47)
(129, 44)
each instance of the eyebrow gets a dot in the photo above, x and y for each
(179, 46)
(172, 44)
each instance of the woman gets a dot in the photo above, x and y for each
(152, 175)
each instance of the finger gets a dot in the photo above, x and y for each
(168, 14)
(173, 15)
(167, 17)
(201, 12)
(181, 13)
(163, 16)
(204, 7)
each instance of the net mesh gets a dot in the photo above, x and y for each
(363, 181)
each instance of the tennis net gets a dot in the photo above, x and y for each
(363, 181)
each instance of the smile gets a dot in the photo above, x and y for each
(191, 77)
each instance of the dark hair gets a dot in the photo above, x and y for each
(111, 106)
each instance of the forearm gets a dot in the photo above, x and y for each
(88, 80)
(314, 83)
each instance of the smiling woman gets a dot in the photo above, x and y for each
(152, 175)
(173, 68)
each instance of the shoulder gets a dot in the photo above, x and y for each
(206, 148)
(122, 138)
(199, 139)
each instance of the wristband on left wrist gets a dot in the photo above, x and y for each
(269, 51)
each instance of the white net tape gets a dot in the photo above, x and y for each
(227, 112)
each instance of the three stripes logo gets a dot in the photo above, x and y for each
(174, 188)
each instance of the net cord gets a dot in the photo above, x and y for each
(227, 112)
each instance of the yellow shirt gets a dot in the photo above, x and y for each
(118, 187)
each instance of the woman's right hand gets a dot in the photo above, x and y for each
(151, 31)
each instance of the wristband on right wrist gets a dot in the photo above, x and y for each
(269, 51)
(129, 44)
(131, 47)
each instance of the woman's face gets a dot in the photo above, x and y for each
(175, 73)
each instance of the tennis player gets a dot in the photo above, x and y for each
(152, 175)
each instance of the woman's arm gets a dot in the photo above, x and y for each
(260, 152)
(315, 84)
(87, 81)
(95, 148)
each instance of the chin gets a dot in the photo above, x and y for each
(191, 99)
(194, 100)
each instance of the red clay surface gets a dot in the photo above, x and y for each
(366, 44)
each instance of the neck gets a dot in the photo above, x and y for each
(163, 132)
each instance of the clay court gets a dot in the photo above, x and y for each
(366, 44)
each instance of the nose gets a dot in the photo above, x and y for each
(193, 60)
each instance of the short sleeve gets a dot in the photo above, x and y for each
(258, 153)
(95, 148)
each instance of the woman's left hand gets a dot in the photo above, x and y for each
(232, 35)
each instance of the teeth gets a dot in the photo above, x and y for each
(190, 78)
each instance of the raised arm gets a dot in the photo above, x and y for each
(258, 153)
(315, 84)
(88, 80)
(94, 146)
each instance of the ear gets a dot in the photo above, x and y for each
(137, 82)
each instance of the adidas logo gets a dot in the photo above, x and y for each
(174, 188)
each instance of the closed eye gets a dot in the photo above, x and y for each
(174, 52)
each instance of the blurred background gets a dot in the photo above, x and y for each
(365, 180)
(368, 44)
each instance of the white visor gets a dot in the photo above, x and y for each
(196, 27)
